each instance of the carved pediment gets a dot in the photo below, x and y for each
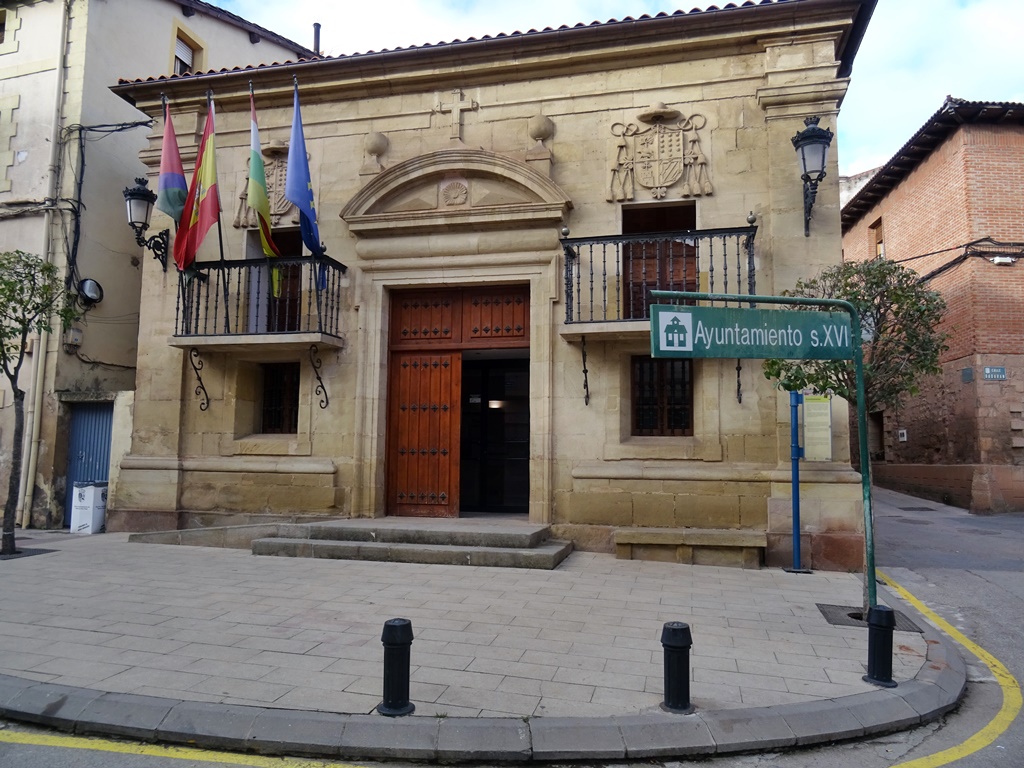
(452, 189)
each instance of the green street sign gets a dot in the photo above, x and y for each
(681, 331)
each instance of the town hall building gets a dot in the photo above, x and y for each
(496, 214)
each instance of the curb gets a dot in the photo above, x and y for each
(935, 690)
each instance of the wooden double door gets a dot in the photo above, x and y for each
(458, 401)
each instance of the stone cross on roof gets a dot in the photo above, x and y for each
(457, 107)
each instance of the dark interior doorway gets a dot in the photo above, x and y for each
(495, 435)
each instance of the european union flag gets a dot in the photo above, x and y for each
(298, 187)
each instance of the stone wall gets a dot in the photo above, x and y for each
(414, 193)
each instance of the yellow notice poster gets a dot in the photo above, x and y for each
(817, 428)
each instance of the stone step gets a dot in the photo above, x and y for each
(546, 555)
(431, 532)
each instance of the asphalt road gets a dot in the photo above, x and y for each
(970, 571)
(967, 569)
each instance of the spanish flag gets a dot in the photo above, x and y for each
(202, 206)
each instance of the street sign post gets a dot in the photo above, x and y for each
(678, 330)
(749, 333)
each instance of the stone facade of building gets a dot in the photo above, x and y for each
(68, 147)
(502, 208)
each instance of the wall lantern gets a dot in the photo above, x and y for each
(90, 292)
(811, 146)
(140, 201)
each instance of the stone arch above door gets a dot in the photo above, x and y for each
(456, 190)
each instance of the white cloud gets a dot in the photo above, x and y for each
(915, 52)
(356, 27)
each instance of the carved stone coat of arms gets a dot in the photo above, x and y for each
(662, 155)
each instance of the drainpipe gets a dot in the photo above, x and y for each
(23, 513)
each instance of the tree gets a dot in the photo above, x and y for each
(899, 318)
(32, 295)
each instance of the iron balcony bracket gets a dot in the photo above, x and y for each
(197, 366)
(317, 363)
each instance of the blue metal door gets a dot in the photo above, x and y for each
(88, 447)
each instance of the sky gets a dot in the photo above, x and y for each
(915, 52)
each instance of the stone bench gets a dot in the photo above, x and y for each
(696, 546)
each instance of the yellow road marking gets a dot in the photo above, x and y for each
(157, 750)
(1011, 691)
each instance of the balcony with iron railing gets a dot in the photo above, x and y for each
(609, 280)
(288, 303)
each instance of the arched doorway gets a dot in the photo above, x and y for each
(464, 226)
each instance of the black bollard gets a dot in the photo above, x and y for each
(397, 640)
(676, 640)
(881, 622)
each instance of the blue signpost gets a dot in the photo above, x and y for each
(678, 330)
(795, 454)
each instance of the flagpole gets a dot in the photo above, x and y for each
(220, 237)
(167, 119)
(316, 263)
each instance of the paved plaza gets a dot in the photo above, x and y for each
(99, 634)
(224, 626)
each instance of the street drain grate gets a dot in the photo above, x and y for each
(849, 616)
(916, 509)
(26, 553)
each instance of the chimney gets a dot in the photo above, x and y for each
(316, 37)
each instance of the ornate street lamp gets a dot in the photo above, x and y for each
(811, 146)
(140, 201)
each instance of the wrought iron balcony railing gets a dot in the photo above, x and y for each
(611, 278)
(260, 297)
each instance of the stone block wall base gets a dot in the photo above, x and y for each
(586, 538)
(819, 551)
(726, 557)
(149, 521)
(728, 548)
(142, 521)
(221, 519)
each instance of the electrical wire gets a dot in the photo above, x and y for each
(933, 253)
(101, 364)
(76, 136)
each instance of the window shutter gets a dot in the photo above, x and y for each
(183, 52)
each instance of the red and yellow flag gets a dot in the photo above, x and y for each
(202, 206)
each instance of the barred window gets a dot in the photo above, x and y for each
(662, 397)
(280, 407)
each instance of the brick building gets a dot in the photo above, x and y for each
(948, 204)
